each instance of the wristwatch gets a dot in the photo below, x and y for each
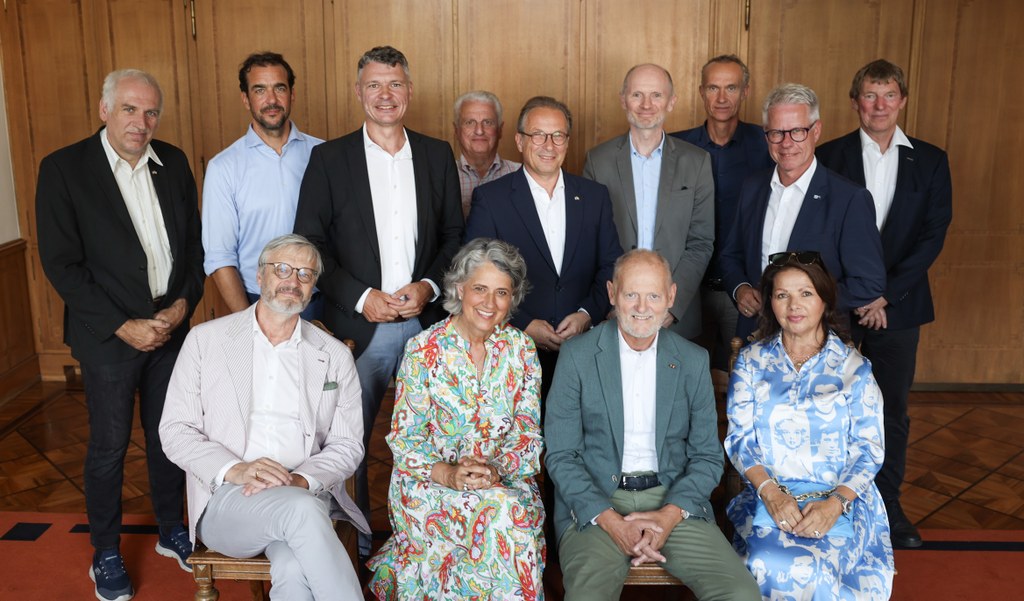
(846, 503)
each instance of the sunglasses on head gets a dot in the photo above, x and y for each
(804, 257)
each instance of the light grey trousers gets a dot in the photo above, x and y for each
(293, 527)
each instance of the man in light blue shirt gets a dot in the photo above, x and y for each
(662, 190)
(252, 187)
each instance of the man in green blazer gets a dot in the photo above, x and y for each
(633, 449)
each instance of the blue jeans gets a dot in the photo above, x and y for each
(110, 396)
(376, 366)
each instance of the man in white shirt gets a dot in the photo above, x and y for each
(479, 122)
(910, 183)
(119, 239)
(632, 448)
(263, 413)
(800, 205)
(382, 205)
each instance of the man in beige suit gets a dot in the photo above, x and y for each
(263, 413)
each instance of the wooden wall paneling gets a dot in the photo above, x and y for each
(503, 47)
(227, 31)
(968, 93)
(18, 363)
(676, 35)
(423, 31)
(821, 45)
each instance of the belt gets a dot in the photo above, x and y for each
(715, 284)
(635, 483)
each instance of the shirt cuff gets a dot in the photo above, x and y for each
(314, 484)
(433, 286)
(219, 480)
(582, 310)
(737, 288)
(362, 300)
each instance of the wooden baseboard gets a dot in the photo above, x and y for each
(19, 377)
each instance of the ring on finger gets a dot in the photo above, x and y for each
(783, 523)
(817, 534)
(465, 486)
(258, 475)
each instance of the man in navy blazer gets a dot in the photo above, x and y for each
(912, 189)
(382, 204)
(119, 239)
(800, 205)
(562, 224)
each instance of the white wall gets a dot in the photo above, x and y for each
(8, 208)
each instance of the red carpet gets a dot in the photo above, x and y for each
(968, 565)
(46, 557)
(53, 564)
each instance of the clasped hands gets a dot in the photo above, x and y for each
(872, 315)
(469, 473)
(550, 338)
(406, 302)
(261, 474)
(641, 534)
(147, 335)
(813, 521)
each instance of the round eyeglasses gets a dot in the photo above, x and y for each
(283, 271)
(539, 138)
(797, 134)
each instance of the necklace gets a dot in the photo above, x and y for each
(798, 361)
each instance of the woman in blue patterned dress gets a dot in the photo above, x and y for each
(805, 429)
(464, 507)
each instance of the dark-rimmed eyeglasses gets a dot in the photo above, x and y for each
(804, 257)
(283, 271)
(797, 134)
(538, 138)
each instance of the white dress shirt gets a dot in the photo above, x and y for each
(783, 208)
(639, 375)
(881, 169)
(136, 186)
(551, 210)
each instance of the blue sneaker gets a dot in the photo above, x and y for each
(107, 571)
(176, 545)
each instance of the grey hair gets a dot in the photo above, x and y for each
(475, 253)
(625, 80)
(544, 102)
(385, 55)
(114, 79)
(478, 96)
(297, 241)
(791, 93)
(641, 255)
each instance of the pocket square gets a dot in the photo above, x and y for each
(330, 385)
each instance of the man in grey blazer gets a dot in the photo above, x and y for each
(633, 449)
(263, 413)
(662, 190)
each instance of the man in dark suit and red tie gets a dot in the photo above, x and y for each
(382, 204)
(562, 224)
(910, 184)
(119, 239)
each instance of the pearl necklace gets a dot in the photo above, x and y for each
(798, 362)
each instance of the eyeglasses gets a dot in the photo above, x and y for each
(539, 138)
(283, 271)
(804, 257)
(797, 134)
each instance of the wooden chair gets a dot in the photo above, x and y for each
(209, 566)
(652, 574)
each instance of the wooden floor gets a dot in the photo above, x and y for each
(965, 464)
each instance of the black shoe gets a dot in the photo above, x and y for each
(902, 531)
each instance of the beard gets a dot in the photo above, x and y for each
(285, 306)
(642, 330)
(270, 125)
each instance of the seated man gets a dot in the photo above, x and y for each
(263, 413)
(633, 449)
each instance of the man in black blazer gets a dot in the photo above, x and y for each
(383, 206)
(800, 205)
(562, 224)
(910, 183)
(119, 239)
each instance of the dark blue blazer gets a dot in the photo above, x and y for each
(915, 229)
(504, 209)
(837, 219)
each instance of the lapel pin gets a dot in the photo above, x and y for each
(817, 197)
(671, 365)
(575, 197)
(153, 172)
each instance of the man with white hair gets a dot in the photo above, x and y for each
(119, 239)
(478, 125)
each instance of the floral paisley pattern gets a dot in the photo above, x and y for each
(448, 544)
(820, 425)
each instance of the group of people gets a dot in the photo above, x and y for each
(500, 299)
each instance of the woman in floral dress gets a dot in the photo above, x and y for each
(465, 509)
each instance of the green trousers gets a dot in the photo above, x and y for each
(593, 566)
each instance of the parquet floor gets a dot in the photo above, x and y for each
(965, 464)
